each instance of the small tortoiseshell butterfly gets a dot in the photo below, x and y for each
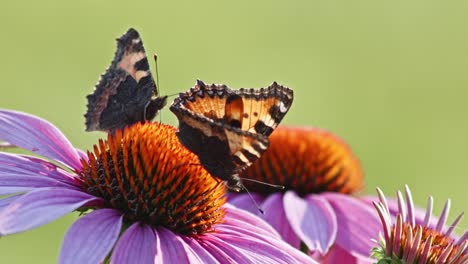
(126, 93)
(228, 129)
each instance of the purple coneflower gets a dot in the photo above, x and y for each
(407, 241)
(315, 211)
(144, 197)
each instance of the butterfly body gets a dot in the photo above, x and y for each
(228, 129)
(126, 93)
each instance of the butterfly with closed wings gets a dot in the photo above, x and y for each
(126, 93)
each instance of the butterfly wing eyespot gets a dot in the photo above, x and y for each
(229, 129)
(126, 93)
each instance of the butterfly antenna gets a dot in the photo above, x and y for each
(155, 56)
(160, 117)
(253, 200)
(277, 186)
(244, 188)
(170, 95)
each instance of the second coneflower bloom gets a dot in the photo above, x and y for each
(407, 240)
(316, 211)
(144, 197)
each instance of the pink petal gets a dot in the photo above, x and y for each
(21, 183)
(262, 250)
(172, 248)
(276, 217)
(239, 230)
(312, 219)
(37, 135)
(136, 245)
(236, 255)
(14, 190)
(207, 256)
(27, 165)
(220, 254)
(443, 216)
(247, 221)
(358, 223)
(91, 238)
(419, 213)
(339, 255)
(243, 201)
(8, 200)
(82, 154)
(40, 207)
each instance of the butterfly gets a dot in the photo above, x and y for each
(126, 93)
(228, 129)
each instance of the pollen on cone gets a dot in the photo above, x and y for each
(145, 172)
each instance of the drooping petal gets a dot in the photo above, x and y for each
(357, 223)
(12, 183)
(339, 255)
(37, 135)
(261, 251)
(239, 218)
(276, 217)
(136, 245)
(221, 253)
(91, 238)
(207, 255)
(82, 154)
(171, 248)
(7, 190)
(33, 166)
(244, 202)
(312, 219)
(40, 207)
(239, 235)
(235, 255)
(7, 200)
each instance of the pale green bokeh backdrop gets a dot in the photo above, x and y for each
(389, 77)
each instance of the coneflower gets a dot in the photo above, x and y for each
(316, 211)
(404, 240)
(144, 197)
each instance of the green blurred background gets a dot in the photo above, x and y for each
(389, 77)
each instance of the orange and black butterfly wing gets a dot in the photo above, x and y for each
(126, 93)
(228, 129)
(264, 108)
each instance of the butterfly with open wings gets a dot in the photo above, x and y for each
(228, 129)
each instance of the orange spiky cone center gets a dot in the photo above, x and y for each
(306, 160)
(144, 172)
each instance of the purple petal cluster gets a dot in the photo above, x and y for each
(331, 225)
